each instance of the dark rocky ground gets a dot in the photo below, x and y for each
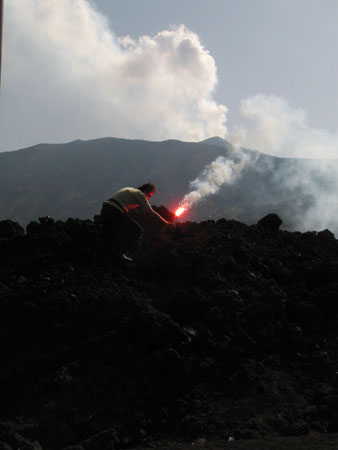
(218, 331)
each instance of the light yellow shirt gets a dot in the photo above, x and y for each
(130, 198)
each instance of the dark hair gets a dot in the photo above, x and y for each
(147, 188)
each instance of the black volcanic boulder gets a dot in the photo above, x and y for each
(270, 222)
(164, 212)
(10, 229)
(326, 235)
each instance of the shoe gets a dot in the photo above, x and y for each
(126, 258)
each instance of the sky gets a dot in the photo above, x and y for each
(261, 74)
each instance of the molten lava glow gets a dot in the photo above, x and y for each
(179, 211)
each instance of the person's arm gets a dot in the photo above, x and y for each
(160, 217)
(145, 206)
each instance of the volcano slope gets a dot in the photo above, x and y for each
(218, 330)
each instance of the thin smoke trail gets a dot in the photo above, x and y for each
(223, 170)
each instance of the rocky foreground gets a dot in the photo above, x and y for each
(219, 330)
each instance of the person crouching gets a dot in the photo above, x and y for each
(120, 230)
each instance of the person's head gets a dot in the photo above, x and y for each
(148, 189)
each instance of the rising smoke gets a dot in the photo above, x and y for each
(309, 173)
(80, 81)
(274, 127)
(223, 170)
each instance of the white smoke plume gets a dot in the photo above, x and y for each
(223, 170)
(66, 75)
(316, 181)
(274, 127)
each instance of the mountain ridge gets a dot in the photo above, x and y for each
(73, 179)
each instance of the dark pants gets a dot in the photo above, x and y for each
(119, 230)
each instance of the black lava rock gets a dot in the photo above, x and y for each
(270, 222)
(10, 229)
(216, 329)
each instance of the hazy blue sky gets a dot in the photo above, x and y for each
(68, 75)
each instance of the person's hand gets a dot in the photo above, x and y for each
(169, 226)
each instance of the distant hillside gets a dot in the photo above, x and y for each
(67, 180)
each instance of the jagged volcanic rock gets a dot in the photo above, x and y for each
(218, 329)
